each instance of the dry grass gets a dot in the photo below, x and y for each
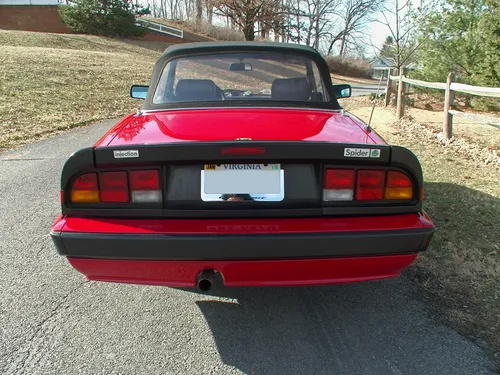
(428, 109)
(54, 82)
(204, 29)
(62, 81)
(338, 78)
(461, 270)
(349, 67)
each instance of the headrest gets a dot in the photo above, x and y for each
(196, 89)
(297, 89)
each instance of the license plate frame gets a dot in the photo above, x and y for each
(227, 189)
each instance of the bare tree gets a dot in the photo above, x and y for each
(398, 18)
(272, 16)
(243, 13)
(199, 11)
(210, 10)
(355, 15)
(312, 19)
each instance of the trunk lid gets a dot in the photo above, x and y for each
(229, 124)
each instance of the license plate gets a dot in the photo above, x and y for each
(242, 182)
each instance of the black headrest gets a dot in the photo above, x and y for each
(291, 89)
(196, 89)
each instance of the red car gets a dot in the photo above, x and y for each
(241, 166)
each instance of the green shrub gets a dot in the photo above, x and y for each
(485, 104)
(113, 18)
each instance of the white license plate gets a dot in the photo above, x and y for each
(238, 182)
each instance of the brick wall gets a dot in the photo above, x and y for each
(152, 36)
(44, 18)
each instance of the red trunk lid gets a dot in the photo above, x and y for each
(229, 124)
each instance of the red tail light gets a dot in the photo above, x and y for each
(85, 189)
(339, 185)
(370, 185)
(141, 186)
(339, 179)
(366, 185)
(114, 187)
(145, 186)
(144, 180)
(86, 181)
(398, 186)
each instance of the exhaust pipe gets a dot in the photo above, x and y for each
(205, 279)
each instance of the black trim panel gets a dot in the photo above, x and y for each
(168, 156)
(241, 213)
(210, 152)
(241, 247)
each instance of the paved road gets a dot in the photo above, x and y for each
(367, 89)
(52, 321)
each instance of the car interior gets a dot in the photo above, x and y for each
(293, 89)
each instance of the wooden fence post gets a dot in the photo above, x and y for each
(448, 102)
(400, 108)
(388, 88)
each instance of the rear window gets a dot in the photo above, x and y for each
(240, 76)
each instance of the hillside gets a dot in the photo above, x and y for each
(53, 82)
(200, 32)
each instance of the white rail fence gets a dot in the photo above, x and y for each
(449, 87)
(160, 28)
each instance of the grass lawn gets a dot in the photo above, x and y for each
(53, 82)
(460, 273)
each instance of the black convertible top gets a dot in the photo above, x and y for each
(207, 47)
(197, 48)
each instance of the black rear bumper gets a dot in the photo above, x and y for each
(241, 247)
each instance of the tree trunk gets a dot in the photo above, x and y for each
(298, 22)
(342, 47)
(332, 44)
(199, 11)
(210, 11)
(249, 32)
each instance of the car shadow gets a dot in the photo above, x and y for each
(381, 327)
(368, 328)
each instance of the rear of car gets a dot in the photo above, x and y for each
(319, 218)
(261, 180)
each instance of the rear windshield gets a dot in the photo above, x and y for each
(240, 76)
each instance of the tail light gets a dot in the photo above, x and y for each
(142, 186)
(370, 185)
(114, 187)
(85, 189)
(339, 185)
(398, 186)
(366, 185)
(145, 186)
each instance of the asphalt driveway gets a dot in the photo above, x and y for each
(362, 89)
(52, 321)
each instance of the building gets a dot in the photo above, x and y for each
(43, 16)
(31, 15)
(381, 67)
